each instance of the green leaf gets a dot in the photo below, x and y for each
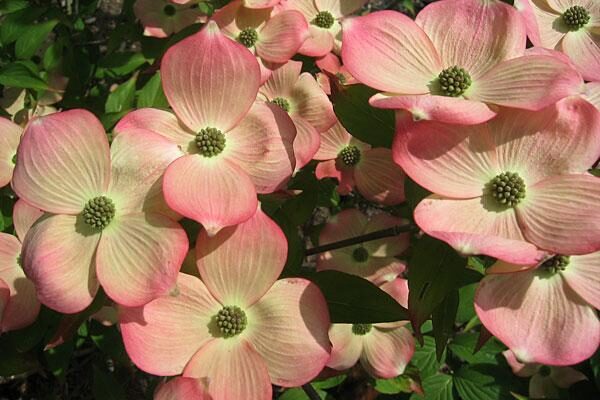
(436, 387)
(10, 6)
(32, 38)
(106, 387)
(59, 357)
(399, 384)
(443, 319)
(299, 394)
(425, 358)
(483, 382)
(466, 311)
(20, 76)
(122, 98)
(120, 64)
(368, 124)
(463, 346)
(352, 299)
(329, 382)
(18, 23)
(300, 208)
(595, 364)
(152, 94)
(435, 270)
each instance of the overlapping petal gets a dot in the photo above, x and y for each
(347, 347)
(378, 178)
(181, 389)
(24, 216)
(386, 352)
(10, 136)
(282, 36)
(583, 47)
(582, 276)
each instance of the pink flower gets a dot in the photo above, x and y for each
(182, 389)
(374, 260)
(10, 136)
(106, 224)
(542, 157)
(383, 349)
(545, 314)
(354, 163)
(277, 331)
(301, 97)
(162, 18)
(572, 27)
(273, 38)
(21, 306)
(229, 148)
(323, 17)
(333, 69)
(545, 381)
(592, 93)
(449, 64)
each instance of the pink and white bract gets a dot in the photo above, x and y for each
(105, 224)
(423, 66)
(230, 147)
(468, 168)
(10, 136)
(162, 18)
(278, 328)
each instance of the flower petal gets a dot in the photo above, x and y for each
(559, 214)
(182, 388)
(583, 277)
(58, 256)
(402, 59)
(240, 263)
(211, 88)
(139, 256)
(282, 81)
(544, 27)
(307, 141)
(333, 141)
(398, 289)
(63, 161)
(288, 328)
(466, 32)
(592, 93)
(386, 352)
(378, 178)
(564, 377)
(340, 8)
(260, 3)
(10, 136)
(529, 82)
(24, 216)
(148, 331)
(311, 103)
(139, 160)
(262, 146)
(387, 247)
(319, 43)
(539, 317)
(451, 160)
(346, 347)
(583, 47)
(231, 369)
(451, 110)
(518, 368)
(212, 191)
(282, 36)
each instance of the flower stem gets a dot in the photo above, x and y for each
(393, 231)
(311, 392)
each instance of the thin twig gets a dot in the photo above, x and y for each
(311, 392)
(393, 231)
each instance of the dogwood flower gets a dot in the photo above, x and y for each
(162, 18)
(504, 187)
(107, 225)
(571, 26)
(10, 136)
(374, 260)
(273, 38)
(354, 163)
(300, 96)
(323, 17)
(449, 64)
(545, 380)
(21, 306)
(545, 314)
(230, 148)
(239, 329)
(383, 349)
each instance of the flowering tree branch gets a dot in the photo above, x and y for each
(311, 392)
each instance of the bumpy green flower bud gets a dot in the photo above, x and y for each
(169, 10)
(361, 329)
(556, 264)
(231, 321)
(454, 81)
(248, 37)
(576, 17)
(210, 142)
(282, 103)
(98, 212)
(324, 20)
(508, 188)
(350, 155)
(360, 254)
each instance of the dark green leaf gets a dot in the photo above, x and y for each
(18, 23)
(58, 358)
(368, 124)
(299, 394)
(20, 76)
(466, 311)
(443, 319)
(12, 362)
(425, 359)
(484, 382)
(106, 387)
(32, 38)
(463, 346)
(120, 64)
(414, 193)
(329, 382)
(399, 384)
(122, 98)
(436, 387)
(352, 299)
(152, 94)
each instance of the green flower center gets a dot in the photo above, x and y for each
(454, 81)
(231, 321)
(169, 10)
(324, 20)
(576, 17)
(98, 212)
(508, 188)
(361, 329)
(350, 155)
(340, 77)
(556, 264)
(210, 142)
(360, 254)
(248, 37)
(20, 260)
(545, 370)
(282, 103)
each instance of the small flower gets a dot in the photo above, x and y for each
(546, 312)
(426, 67)
(239, 329)
(162, 18)
(510, 185)
(374, 260)
(356, 164)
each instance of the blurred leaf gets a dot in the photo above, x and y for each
(436, 387)
(399, 384)
(483, 382)
(32, 38)
(595, 364)
(152, 94)
(12, 362)
(299, 394)
(300, 207)
(16, 24)
(374, 126)
(106, 387)
(352, 299)
(329, 382)
(122, 98)
(443, 318)
(109, 341)
(10, 6)
(20, 76)
(120, 64)
(27, 338)
(425, 358)
(466, 311)
(463, 346)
